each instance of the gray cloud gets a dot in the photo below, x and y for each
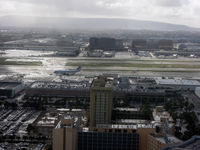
(170, 3)
(157, 10)
(65, 7)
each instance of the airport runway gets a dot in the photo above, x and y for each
(50, 64)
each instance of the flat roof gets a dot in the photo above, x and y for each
(178, 82)
(132, 121)
(47, 121)
(9, 85)
(58, 85)
(122, 126)
(127, 109)
(103, 81)
(198, 88)
(168, 139)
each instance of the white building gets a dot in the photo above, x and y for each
(178, 83)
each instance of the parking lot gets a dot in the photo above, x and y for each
(20, 146)
(13, 122)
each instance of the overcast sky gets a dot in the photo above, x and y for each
(172, 11)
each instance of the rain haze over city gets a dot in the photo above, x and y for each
(99, 75)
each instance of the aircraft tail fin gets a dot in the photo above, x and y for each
(79, 68)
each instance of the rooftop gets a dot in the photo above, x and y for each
(131, 121)
(47, 121)
(191, 144)
(159, 114)
(127, 109)
(58, 85)
(9, 85)
(102, 81)
(178, 82)
(168, 139)
(122, 126)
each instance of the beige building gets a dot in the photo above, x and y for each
(64, 136)
(101, 101)
(143, 137)
(159, 141)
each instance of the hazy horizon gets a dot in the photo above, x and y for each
(114, 18)
(184, 12)
(75, 23)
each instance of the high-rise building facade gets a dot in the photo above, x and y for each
(102, 43)
(165, 44)
(101, 101)
(106, 44)
(108, 139)
(139, 44)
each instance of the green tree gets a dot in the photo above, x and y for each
(146, 109)
(30, 128)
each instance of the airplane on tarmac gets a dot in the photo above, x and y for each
(68, 72)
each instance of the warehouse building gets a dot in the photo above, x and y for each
(10, 89)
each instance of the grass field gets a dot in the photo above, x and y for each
(23, 63)
(143, 70)
(137, 65)
(135, 60)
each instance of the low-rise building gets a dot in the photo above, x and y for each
(180, 84)
(191, 144)
(158, 141)
(160, 115)
(10, 89)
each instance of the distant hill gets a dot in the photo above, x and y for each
(90, 23)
